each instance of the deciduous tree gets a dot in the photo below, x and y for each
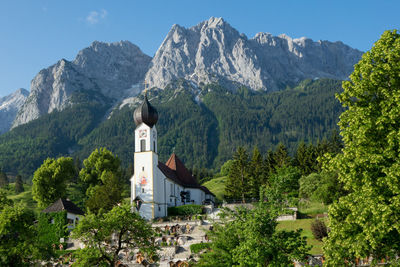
(106, 235)
(248, 237)
(366, 221)
(16, 236)
(102, 179)
(50, 180)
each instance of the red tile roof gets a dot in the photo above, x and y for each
(175, 170)
(174, 163)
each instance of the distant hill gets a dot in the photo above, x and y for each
(204, 125)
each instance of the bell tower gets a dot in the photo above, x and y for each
(145, 184)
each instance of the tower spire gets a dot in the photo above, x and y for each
(145, 113)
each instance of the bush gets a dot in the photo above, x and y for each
(51, 227)
(191, 209)
(319, 229)
(196, 248)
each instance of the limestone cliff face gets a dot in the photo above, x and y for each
(214, 51)
(110, 68)
(9, 106)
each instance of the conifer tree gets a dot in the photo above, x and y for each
(237, 184)
(19, 187)
(3, 179)
(257, 174)
(281, 156)
(305, 158)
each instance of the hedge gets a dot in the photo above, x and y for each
(190, 209)
(196, 248)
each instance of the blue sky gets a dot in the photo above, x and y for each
(36, 34)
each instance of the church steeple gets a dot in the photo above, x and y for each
(145, 113)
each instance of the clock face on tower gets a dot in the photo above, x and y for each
(142, 133)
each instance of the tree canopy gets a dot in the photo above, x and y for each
(106, 235)
(50, 180)
(248, 237)
(366, 222)
(16, 236)
(102, 179)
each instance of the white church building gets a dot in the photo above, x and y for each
(155, 186)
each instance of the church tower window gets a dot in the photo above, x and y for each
(142, 145)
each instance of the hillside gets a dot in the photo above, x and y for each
(203, 127)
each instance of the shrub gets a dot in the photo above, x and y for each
(319, 229)
(51, 227)
(196, 248)
(191, 209)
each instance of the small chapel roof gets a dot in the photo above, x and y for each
(64, 204)
(175, 170)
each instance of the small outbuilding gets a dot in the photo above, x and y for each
(73, 211)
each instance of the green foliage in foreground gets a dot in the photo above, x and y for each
(366, 222)
(51, 227)
(249, 237)
(190, 209)
(17, 235)
(196, 248)
(96, 232)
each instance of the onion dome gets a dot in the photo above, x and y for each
(145, 113)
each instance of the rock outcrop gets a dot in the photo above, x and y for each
(9, 106)
(112, 69)
(214, 51)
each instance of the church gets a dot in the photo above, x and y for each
(155, 186)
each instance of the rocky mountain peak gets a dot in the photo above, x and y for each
(113, 69)
(211, 51)
(214, 51)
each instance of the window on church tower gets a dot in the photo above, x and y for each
(154, 146)
(142, 145)
(142, 190)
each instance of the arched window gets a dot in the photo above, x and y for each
(142, 145)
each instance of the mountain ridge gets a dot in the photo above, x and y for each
(210, 52)
(213, 51)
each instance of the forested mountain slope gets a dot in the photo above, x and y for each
(204, 126)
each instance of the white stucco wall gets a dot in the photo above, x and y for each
(150, 184)
(75, 218)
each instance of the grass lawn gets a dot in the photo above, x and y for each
(304, 224)
(217, 186)
(311, 209)
(24, 197)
